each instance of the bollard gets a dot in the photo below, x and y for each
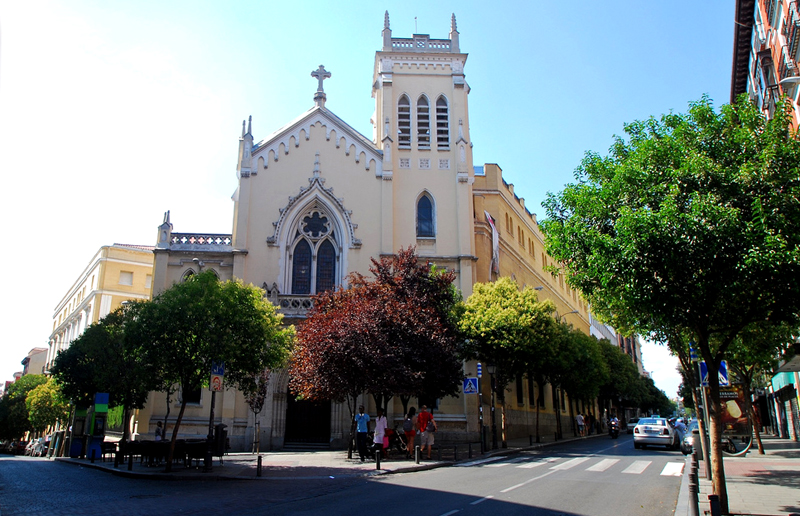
(416, 454)
(93, 454)
(530, 440)
(713, 502)
(694, 490)
(116, 459)
(258, 468)
(470, 450)
(130, 462)
(378, 453)
(455, 453)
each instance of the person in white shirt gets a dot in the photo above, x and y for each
(380, 431)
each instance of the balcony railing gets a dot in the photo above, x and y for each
(294, 305)
(202, 240)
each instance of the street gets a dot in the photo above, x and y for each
(594, 477)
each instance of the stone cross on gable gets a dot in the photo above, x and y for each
(320, 74)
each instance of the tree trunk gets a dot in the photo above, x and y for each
(169, 404)
(557, 408)
(715, 435)
(748, 406)
(171, 454)
(404, 400)
(126, 425)
(572, 418)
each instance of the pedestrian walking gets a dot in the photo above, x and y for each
(362, 427)
(409, 429)
(380, 431)
(581, 423)
(427, 426)
(159, 431)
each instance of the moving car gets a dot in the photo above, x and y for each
(631, 424)
(655, 431)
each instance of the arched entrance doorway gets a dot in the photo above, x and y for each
(307, 422)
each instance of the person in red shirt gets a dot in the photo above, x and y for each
(426, 436)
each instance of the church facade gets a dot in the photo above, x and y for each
(317, 200)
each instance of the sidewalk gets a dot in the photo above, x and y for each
(293, 465)
(763, 485)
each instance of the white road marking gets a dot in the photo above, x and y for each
(526, 482)
(603, 465)
(637, 467)
(498, 465)
(672, 469)
(570, 463)
(479, 462)
(536, 464)
(476, 502)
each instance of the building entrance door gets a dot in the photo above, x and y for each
(308, 421)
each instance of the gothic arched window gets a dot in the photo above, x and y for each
(326, 266)
(312, 253)
(423, 123)
(404, 123)
(442, 124)
(425, 223)
(301, 268)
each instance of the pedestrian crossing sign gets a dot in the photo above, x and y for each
(723, 374)
(470, 386)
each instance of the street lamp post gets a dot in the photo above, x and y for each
(563, 317)
(492, 369)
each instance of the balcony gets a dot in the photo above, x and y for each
(294, 305)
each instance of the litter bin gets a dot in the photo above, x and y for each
(220, 438)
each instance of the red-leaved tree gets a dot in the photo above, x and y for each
(394, 334)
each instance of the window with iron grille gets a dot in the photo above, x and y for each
(404, 123)
(423, 123)
(442, 124)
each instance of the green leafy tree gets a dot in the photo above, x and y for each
(586, 371)
(46, 406)
(511, 329)
(688, 225)
(202, 321)
(14, 420)
(623, 385)
(108, 358)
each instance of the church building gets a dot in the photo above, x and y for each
(317, 200)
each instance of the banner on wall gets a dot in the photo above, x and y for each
(494, 266)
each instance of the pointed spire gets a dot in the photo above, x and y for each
(166, 218)
(250, 125)
(243, 133)
(453, 35)
(387, 33)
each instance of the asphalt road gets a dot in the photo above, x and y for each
(595, 477)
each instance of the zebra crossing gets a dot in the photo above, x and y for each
(592, 464)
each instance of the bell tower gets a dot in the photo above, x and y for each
(421, 123)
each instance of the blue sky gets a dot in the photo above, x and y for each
(113, 112)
